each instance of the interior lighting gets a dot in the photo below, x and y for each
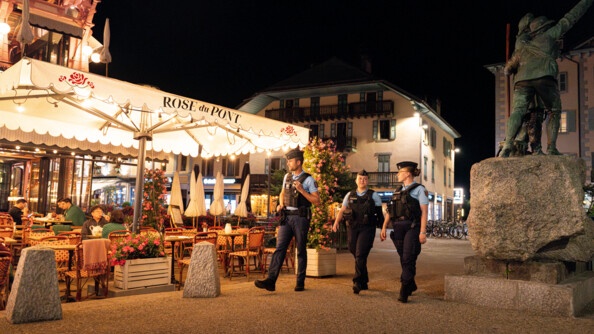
(4, 28)
(55, 151)
(20, 107)
(96, 58)
(72, 153)
(87, 50)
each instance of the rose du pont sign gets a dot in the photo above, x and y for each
(191, 105)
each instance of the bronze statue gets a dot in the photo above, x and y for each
(535, 71)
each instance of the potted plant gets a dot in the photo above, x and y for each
(140, 261)
(326, 166)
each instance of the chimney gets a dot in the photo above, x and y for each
(438, 106)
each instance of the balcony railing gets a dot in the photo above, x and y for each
(332, 112)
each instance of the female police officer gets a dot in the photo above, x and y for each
(408, 214)
(366, 212)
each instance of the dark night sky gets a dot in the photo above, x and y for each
(224, 51)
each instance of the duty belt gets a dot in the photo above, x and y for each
(291, 212)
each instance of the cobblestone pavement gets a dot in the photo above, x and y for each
(327, 305)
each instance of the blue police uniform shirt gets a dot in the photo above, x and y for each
(375, 197)
(419, 194)
(309, 185)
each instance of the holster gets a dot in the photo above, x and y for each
(305, 211)
(283, 217)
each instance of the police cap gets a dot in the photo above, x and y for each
(294, 153)
(362, 172)
(407, 164)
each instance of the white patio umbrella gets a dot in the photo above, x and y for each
(193, 209)
(242, 208)
(176, 195)
(200, 204)
(54, 105)
(105, 55)
(217, 207)
(25, 35)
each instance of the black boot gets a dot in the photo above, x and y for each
(413, 287)
(267, 284)
(405, 291)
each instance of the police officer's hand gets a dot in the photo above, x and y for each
(383, 234)
(335, 227)
(423, 237)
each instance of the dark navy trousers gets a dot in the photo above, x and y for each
(408, 246)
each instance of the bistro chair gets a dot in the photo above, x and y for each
(187, 245)
(252, 251)
(60, 255)
(91, 263)
(118, 236)
(289, 257)
(6, 220)
(59, 228)
(185, 261)
(74, 237)
(170, 232)
(5, 261)
(6, 231)
(39, 233)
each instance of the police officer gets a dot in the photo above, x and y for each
(299, 192)
(365, 208)
(408, 213)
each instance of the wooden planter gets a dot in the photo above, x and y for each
(321, 262)
(140, 273)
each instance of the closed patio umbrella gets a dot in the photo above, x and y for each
(192, 209)
(217, 207)
(176, 195)
(244, 203)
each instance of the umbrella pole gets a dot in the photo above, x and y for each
(139, 184)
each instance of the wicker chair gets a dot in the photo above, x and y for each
(252, 251)
(74, 237)
(198, 237)
(39, 233)
(83, 274)
(60, 255)
(6, 231)
(5, 261)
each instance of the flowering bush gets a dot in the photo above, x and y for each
(326, 166)
(141, 246)
(153, 204)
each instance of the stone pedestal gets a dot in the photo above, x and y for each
(203, 275)
(35, 295)
(532, 237)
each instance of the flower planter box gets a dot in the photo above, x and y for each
(140, 273)
(321, 262)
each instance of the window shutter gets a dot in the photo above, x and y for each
(591, 119)
(333, 130)
(349, 129)
(321, 131)
(392, 129)
(570, 120)
(374, 129)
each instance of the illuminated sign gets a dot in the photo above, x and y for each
(213, 181)
(458, 195)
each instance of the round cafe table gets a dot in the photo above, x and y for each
(174, 239)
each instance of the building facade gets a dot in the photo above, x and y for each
(374, 124)
(576, 86)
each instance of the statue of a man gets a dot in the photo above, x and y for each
(536, 71)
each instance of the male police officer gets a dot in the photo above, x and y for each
(365, 208)
(408, 212)
(299, 192)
